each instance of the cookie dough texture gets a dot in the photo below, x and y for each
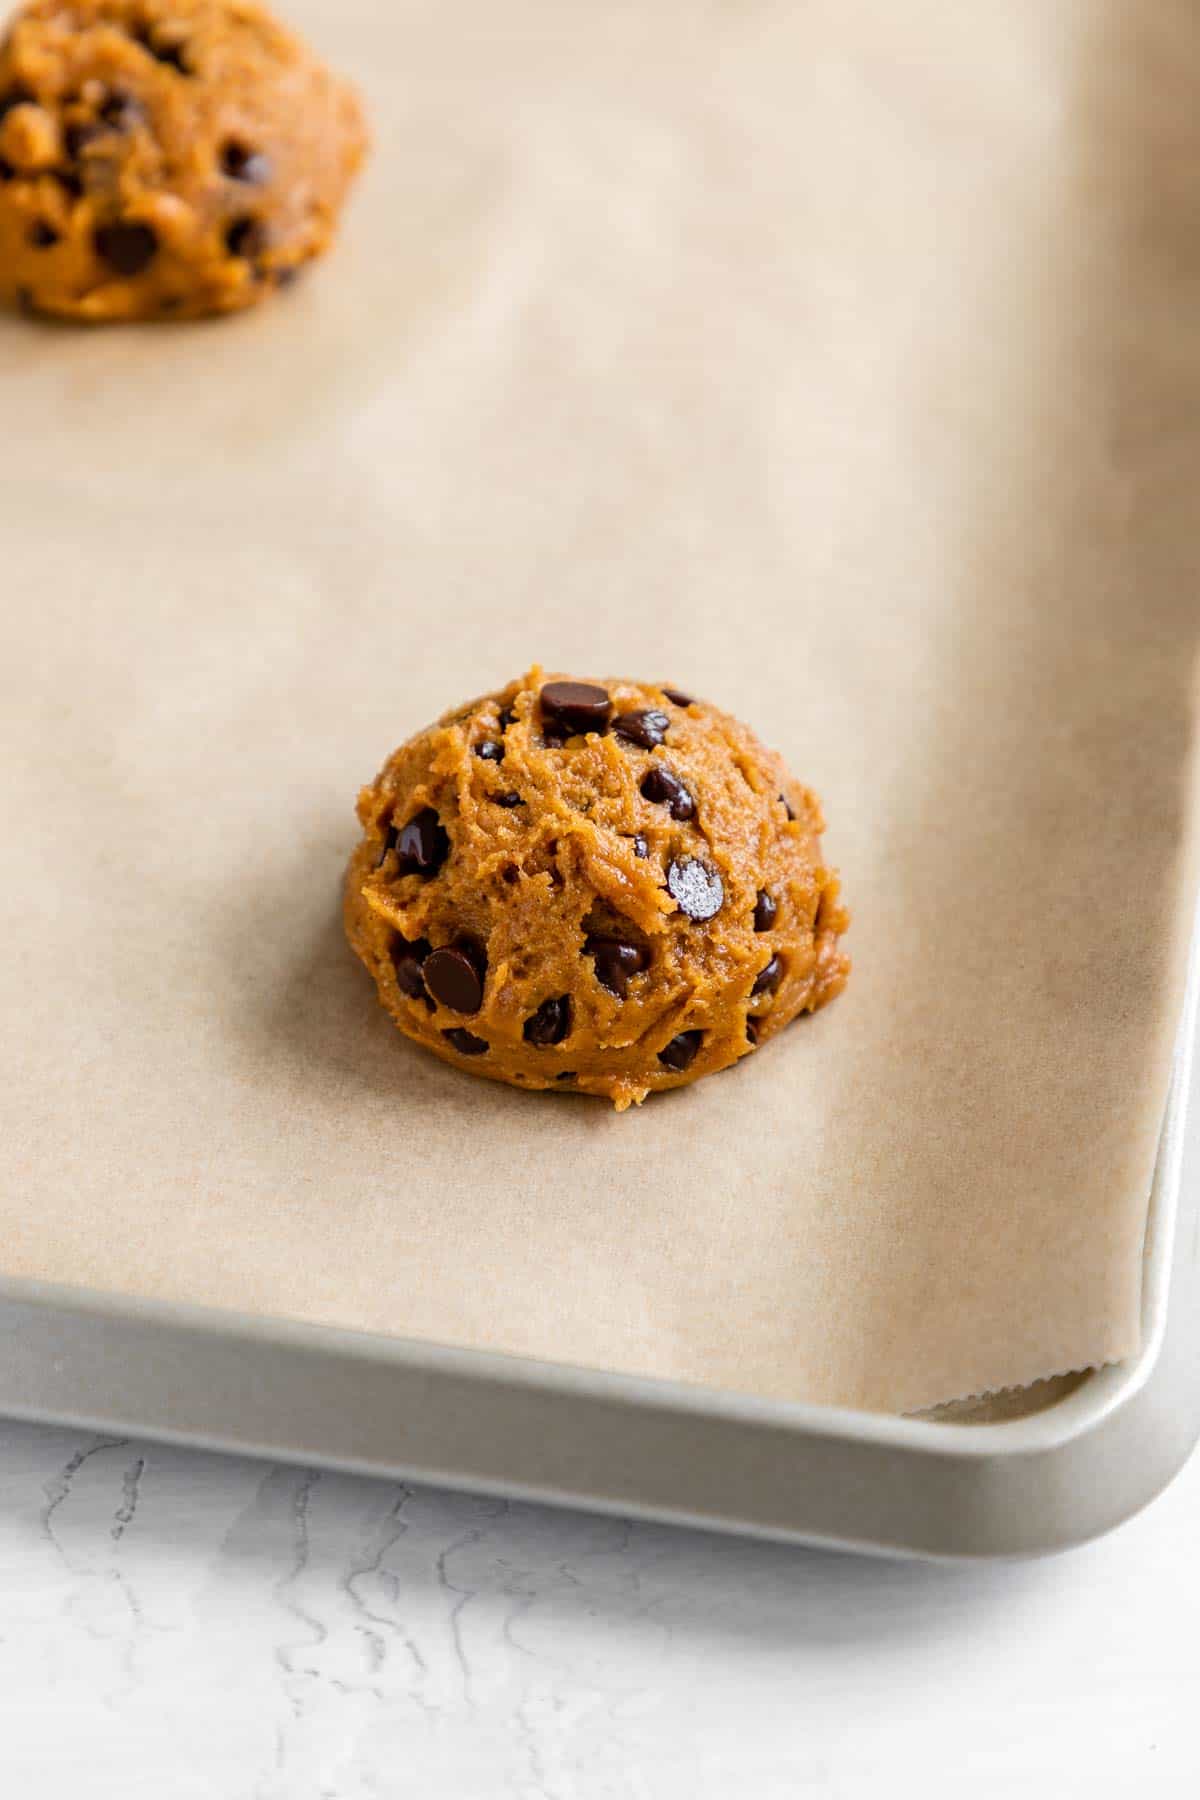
(164, 158)
(604, 887)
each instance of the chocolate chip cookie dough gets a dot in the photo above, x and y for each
(611, 888)
(164, 158)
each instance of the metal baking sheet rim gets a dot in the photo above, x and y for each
(641, 1447)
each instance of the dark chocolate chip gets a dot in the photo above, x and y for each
(640, 846)
(408, 959)
(17, 95)
(768, 979)
(615, 962)
(696, 889)
(6, 170)
(241, 163)
(666, 789)
(507, 718)
(170, 53)
(126, 246)
(121, 112)
(424, 845)
(246, 237)
(508, 800)
(647, 727)
(680, 1052)
(41, 235)
(453, 979)
(550, 1023)
(765, 910)
(573, 707)
(786, 805)
(752, 1030)
(79, 135)
(676, 698)
(465, 1042)
(69, 180)
(490, 750)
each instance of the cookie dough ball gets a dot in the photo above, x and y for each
(164, 158)
(606, 887)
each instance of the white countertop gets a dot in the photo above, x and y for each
(181, 1624)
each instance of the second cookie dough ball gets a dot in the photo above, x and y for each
(608, 887)
(165, 158)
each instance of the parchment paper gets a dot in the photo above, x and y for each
(838, 361)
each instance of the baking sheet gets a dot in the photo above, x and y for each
(836, 363)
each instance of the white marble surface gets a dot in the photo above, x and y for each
(180, 1624)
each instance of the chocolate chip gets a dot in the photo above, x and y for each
(786, 805)
(573, 707)
(752, 1030)
(667, 790)
(696, 889)
(768, 979)
(78, 136)
(170, 53)
(70, 181)
(508, 800)
(246, 237)
(424, 845)
(126, 246)
(550, 1023)
(453, 979)
(647, 727)
(465, 1042)
(640, 846)
(17, 95)
(241, 163)
(6, 170)
(765, 910)
(616, 960)
(680, 1052)
(121, 112)
(389, 844)
(507, 718)
(678, 699)
(41, 235)
(408, 959)
(490, 750)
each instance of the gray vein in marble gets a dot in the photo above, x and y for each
(131, 1487)
(58, 1490)
(393, 1527)
(462, 1596)
(286, 1587)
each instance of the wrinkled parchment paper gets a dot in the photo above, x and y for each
(838, 361)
